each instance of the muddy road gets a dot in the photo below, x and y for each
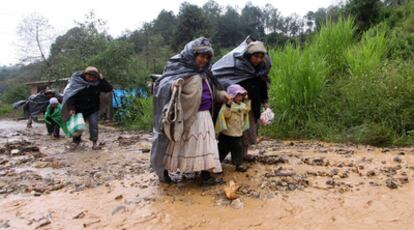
(291, 185)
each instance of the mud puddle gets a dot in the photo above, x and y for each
(289, 185)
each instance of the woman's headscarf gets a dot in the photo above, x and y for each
(183, 64)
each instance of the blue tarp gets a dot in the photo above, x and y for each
(121, 96)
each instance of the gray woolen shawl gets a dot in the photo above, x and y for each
(75, 85)
(179, 66)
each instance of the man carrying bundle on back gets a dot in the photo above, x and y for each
(81, 96)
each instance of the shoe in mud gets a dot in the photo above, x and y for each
(96, 148)
(167, 178)
(241, 168)
(72, 146)
(249, 158)
(211, 181)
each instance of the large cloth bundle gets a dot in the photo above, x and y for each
(75, 85)
(35, 104)
(233, 67)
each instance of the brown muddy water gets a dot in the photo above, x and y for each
(291, 185)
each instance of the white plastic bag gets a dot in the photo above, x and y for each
(267, 117)
(75, 125)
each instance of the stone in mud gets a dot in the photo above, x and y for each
(119, 197)
(40, 164)
(284, 173)
(145, 150)
(15, 152)
(85, 225)
(391, 183)
(254, 194)
(334, 171)
(371, 173)
(143, 186)
(80, 215)
(36, 193)
(237, 204)
(330, 182)
(292, 187)
(336, 177)
(403, 179)
(222, 202)
(3, 161)
(311, 173)
(118, 209)
(270, 159)
(397, 159)
(43, 223)
(318, 161)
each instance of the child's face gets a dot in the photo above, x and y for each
(238, 98)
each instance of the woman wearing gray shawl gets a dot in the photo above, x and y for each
(186, 91)
(247, 65)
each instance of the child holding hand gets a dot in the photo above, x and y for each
(232, 121)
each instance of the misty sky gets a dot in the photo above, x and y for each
(120, 15)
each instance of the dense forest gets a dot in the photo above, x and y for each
(341, 73)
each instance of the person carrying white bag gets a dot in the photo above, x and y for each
(81, 101)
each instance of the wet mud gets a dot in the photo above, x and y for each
(289, 185)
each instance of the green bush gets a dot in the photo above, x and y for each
(14, 93)
(136, 115)
(350, 93)
(5, 110)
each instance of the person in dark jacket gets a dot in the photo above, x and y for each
(247, 65)
(86, 100)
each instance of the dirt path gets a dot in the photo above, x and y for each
(292, 185)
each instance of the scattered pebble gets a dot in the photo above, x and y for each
(237, 204)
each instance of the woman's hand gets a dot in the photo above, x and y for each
(227, 98)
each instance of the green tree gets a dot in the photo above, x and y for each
(113, 61)
(229, 28)
(316, 19)
(212, 11)
(165, 25)
(253, 21)
(191, 23)
(366, 12)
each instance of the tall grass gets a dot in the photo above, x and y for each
(332, 41)
(336, 88)
(369, 53)
(297, 80)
